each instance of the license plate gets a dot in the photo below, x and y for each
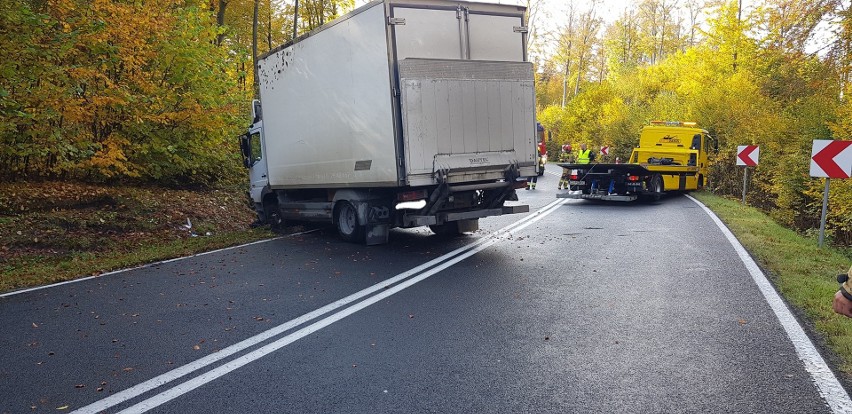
(576, 182)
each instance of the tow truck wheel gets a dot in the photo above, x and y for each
(347, 222)
(656, 188)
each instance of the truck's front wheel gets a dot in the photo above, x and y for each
(273, 215)
(347, 222)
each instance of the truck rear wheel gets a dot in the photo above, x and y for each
(655, 188)
(347, 223)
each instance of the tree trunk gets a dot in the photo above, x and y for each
(579, 76)
(565, 82)
(296, 20)
(255, 84)
(220, 21)
(269, 27)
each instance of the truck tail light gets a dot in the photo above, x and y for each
(412, 195)
(575, 175)
(633, 178)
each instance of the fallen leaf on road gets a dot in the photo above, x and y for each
(35, 325)
(196, 347)
(64, 407)
(128, 369)
(742, 321)
(80, 386)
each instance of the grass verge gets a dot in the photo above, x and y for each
(39, 270)
(802, 272)
(57, 231)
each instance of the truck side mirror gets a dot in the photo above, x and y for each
(708, 139)
(256, 111)
(245, 150)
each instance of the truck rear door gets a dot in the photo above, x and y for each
(467, 94)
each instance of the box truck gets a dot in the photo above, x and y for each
(402, 113)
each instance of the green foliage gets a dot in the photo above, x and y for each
(105, 90)
(779, 100)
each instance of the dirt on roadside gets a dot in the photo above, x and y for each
(52, 222)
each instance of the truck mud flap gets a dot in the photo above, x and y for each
(376, 234)
(603, 197)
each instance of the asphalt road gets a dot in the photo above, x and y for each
(575, 307)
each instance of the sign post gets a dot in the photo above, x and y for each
(830, 159)
(747, 157)
(824, 213)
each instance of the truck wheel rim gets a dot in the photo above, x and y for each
(348, 221)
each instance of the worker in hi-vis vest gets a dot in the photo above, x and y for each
(585, 156)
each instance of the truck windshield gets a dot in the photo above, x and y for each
(696, 142)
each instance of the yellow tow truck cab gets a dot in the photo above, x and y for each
(677, 151)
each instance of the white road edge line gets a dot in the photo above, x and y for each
(829, 387)
(200, 363)
(237, 363)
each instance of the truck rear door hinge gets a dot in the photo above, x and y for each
(396, 21)
(521, 29)
(396, 92)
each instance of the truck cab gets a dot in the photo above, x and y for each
(253, 154)
(677, 151)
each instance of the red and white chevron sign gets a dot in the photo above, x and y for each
(747, 155)
(831, 159)
(604, 150)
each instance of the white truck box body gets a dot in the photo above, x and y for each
(372, 100)
(465, 116)
(327, 105)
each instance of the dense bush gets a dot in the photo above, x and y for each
(108, 90)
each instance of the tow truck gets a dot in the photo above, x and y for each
(671, 156)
